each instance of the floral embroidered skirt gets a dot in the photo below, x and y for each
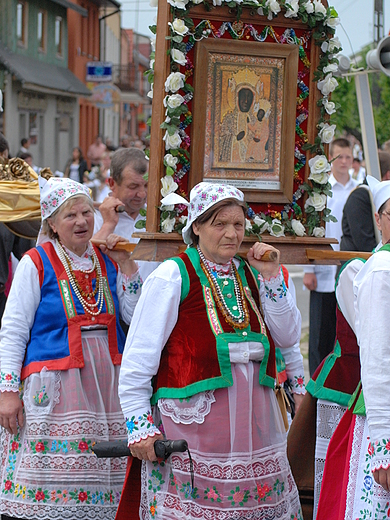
(238, 445)
(48, 470)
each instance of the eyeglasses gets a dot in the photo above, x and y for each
(386, 213)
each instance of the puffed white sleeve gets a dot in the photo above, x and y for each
(153, 321)
(372, 308)
(18, 318)
(280, 311)
(292, 356)
(128, 289)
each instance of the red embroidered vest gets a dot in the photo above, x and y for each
(196, 355)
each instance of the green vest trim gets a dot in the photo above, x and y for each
(222, 338)
(318, 390)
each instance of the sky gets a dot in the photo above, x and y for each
(357, 19)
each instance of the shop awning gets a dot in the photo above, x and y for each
(134, 97)
(35, 73)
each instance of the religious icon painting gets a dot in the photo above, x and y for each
(244, 117)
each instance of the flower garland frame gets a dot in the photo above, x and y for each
(183, 36)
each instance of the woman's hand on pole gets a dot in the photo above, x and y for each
(144, 449)
(266, 269)
(122, 258)
(11, 411)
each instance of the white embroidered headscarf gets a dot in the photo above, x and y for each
(56, 191)
(380, 191)
(203, 196)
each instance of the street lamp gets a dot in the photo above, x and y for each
(378, 60)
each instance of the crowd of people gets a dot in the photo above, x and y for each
(188, 349)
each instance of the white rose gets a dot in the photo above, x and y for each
(150, 94)
(298, 227)
(327, 133)
(309, 7)
(172, 141)
(180, 4)
(167, 225)
(334, 43)
(217, 2)
(319, 177)
(178, 57)
(168, 185)
(170, 160)
(292, 11)
(179, 26)
(248, 225)
(153, 3)
(329, 106)
(333, 22)
(197, 1)
(173, 101)
(174, 82)
(276, 228)
(170, 207)
(273, 6)
(331, 45)
(332, 67)
(317, 200)
(319, 7)
(327, 85)
(151, 64)
(319, 232)
(183, 219)
(263, 224)
(319, 164)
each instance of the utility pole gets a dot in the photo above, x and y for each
(378, 21)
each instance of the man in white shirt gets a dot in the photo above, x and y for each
(320, 279)
(128, 182)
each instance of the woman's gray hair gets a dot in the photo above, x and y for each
(47, 229)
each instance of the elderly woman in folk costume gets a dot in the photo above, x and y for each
(205, 329)
(60, 351)
(356, 480)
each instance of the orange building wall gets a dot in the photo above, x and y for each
(83, 46)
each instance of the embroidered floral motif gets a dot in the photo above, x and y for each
(134, 286)
(189, 491)
(269, 293)
(38, 446)
(153, 507)
(143, 421)
(299, 381)
(156, 480)
(131, 424)
(298, 516)
(38, 495)
(81, 446)
(9, 379)
(238, 496)
(282, 290)
(81, 496)
(263, 492)
(212, 494)
(382, 446)
(41, 396)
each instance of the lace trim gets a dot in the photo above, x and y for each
(274, 279)
(198, 407)
(140, 427)
(9, 389)
(9, 380)
(219, 269)
(379, 464)
(357, 445)
(141, 436)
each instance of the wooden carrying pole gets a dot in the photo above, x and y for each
(343, 256)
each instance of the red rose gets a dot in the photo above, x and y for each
(150, 419)
(14, 446)
(39, 495)
(83, 496)
(300, 381)
(387, 446)
(39, 446)
(83, 446)
(371, 449)
(8, 485)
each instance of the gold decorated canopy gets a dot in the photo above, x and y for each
(19, 191)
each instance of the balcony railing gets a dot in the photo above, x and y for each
(126, 77)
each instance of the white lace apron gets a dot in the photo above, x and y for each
(238, 445)
(49, 471)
